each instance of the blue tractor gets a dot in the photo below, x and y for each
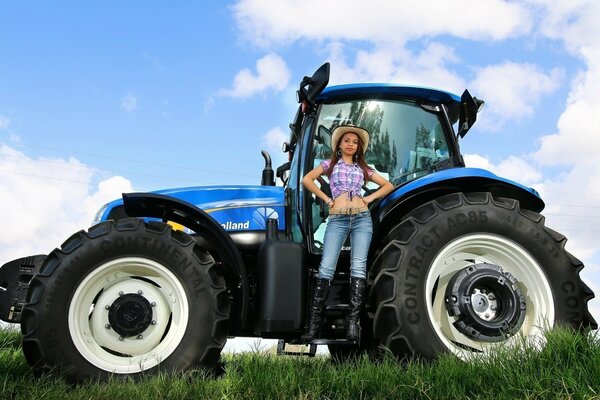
(460, 262)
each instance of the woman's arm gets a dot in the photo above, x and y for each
(309, 183)
(385, 188)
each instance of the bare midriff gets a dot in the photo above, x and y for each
(343, 201)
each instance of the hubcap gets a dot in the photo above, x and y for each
(130, 314)
(486, 302)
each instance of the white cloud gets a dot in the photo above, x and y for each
(570, 197)
(129, 102)
(511, 90)
(395, 63)
(44, 201)
(4, 122)
(265, 22)
(273, 140)
(575, 22)
(516, 168)
(272, 73)
(579, 125)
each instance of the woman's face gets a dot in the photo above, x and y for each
(349, 143)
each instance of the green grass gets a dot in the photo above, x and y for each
(567, 368)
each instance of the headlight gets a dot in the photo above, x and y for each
(99, 214)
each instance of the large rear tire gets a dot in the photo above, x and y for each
(468, 272)
(125, 298)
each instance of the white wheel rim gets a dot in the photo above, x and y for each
(89, 323)
(511, 257)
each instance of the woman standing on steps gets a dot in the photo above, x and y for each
(348, 214)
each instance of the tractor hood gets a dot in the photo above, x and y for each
(235, 208)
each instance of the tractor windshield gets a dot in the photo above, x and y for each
(406, 139)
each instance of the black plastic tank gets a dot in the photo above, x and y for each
(281, 284)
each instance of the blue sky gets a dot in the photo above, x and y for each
(98, 98)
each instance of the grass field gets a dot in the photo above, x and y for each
(567, 368)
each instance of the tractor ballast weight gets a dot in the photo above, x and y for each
(461, 260)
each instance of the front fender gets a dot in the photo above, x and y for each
(171, 209)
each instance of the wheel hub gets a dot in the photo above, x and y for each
(486, 302)
(130, 314)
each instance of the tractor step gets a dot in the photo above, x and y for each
(308, 348)
(298, 351)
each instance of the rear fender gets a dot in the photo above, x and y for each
(406, 198)
(181, 212)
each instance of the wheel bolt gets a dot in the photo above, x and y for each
(153, 322)
(107, 326)
(491, 296)
(121, 293)
(139, 337)
(140, 292)
(107, 307)
(153, 304)
(121, 338)
(493, 308)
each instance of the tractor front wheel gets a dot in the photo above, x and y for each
(124, 299)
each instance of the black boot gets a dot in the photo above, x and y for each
(357, 295)
(316, 309)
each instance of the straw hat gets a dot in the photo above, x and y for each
(341, 130)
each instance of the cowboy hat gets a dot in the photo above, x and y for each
(341, 130)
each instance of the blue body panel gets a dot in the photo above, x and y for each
(451, 174)
(236, 208)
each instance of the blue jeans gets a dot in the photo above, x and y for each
(360, 228)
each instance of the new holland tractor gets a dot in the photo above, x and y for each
(460, 261)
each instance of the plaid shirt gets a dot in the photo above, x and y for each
(346, 178)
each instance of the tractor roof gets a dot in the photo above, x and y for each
(362, 90)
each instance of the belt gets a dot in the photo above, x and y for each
(347, 211)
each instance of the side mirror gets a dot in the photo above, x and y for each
(311, 87)
(469, 107)
(281, 171)
(323, 135)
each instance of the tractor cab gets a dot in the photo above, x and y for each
(411, 135)
(408, 139)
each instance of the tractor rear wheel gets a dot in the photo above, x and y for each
(467, 272)
(125, 298)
